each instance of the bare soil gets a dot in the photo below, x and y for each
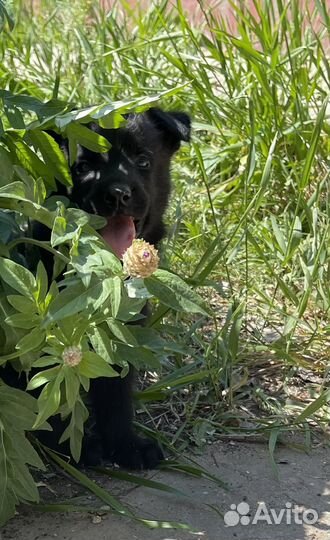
(303, 483)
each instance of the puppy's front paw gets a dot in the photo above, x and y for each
(138, 453)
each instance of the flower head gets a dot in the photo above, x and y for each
(72, 356)
(140, 259)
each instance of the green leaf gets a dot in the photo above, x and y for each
(136, 288)
(13, 197)
(8, 228)
(278, 235)
(18, 277)
(7, 170)
(116, 506)
(90, 300)
(172, 291)
(22, 304)
(53, 156)
(42, 282)
(7, 503)
(23, 320)
(43, 377)
(91, 485)
(4, 16)
(139, 357)
(52, 294)
(130, 307)
(313, 407)
(114, 286)
(30, 103)
(49, 400)
(64, 231)
(93, 366)
(15, 190)
(29, 160)
(25, 450)
(122, 332)
(87, 138)
(10, 395)
(174, 381)
(5, 511)
(25, 487)
(60, 309)
(14, 116)
(137, 480)
(28, 181)
(72, 385)
(195, 470)
(312, 150)
(75, 429)
(31, 341)
(17, 415)
(45, 361)
(101, 343)
(233, 337)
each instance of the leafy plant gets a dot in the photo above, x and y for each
(70, 332)
(17, 416)
(249, 221)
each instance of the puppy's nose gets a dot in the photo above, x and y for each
(119, 194)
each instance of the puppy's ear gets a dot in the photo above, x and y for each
(176, 126)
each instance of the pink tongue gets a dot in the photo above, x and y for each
(119, 233)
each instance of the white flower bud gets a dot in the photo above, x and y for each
(140, 259)
(72, 356)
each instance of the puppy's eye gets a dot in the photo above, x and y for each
(83, 168)
(143, 162)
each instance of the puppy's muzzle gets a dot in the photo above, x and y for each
(118, 196)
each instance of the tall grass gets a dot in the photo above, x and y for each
(249, 218)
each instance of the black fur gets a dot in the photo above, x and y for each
(132, 179)
(152, 137)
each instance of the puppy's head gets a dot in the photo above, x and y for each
(129, 185)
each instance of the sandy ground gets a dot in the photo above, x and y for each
(303, 485)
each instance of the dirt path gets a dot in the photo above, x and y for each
(300, 496)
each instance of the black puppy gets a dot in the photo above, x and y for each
(129, 185)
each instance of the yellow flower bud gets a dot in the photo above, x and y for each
(72, 356)
(140, 259)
